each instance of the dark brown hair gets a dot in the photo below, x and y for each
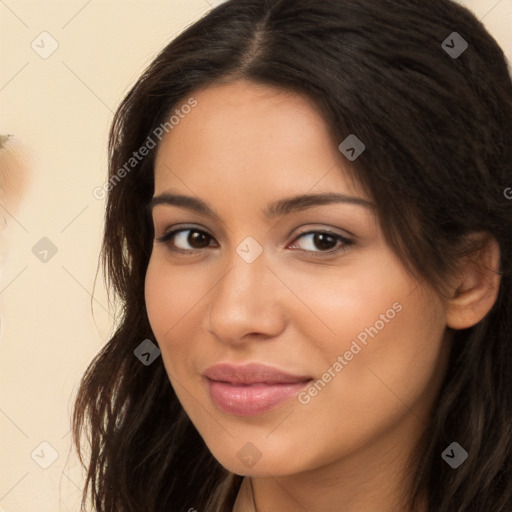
(438, 135)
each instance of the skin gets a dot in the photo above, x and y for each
(242, 147)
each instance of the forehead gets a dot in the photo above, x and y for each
(251, 138)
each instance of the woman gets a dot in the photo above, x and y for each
(308, 228)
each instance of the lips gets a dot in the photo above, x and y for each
(251, 373)
(252, 388)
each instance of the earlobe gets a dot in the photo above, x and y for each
(477, 286)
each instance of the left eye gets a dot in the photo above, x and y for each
(325, 241)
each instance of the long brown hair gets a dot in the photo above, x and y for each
(438, 133)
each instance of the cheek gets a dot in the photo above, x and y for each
(387, 330)
(390, 364)
(176, 297)
(338, 304)
(171, 294)
(170, 301)
(410, 353)
(388, 369)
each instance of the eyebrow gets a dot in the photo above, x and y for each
(275, 209)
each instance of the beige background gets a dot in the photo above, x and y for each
(60, 108)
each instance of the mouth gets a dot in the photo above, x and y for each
(251, 389)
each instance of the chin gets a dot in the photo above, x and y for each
(251, 461)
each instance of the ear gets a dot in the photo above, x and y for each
(476, 285)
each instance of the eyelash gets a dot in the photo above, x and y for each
(345, 242)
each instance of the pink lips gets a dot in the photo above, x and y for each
(251, 389)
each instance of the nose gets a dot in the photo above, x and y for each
(246, 302)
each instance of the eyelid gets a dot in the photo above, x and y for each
(181, 227)
(343, 233)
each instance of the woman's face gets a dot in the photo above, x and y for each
(308, 287)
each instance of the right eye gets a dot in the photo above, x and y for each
(178, 239)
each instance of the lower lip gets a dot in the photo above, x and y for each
(252, 399)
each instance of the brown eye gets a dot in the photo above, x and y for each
(186, 240)
(198, 239)
(322, 242)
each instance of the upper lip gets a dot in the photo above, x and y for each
(251, 373)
